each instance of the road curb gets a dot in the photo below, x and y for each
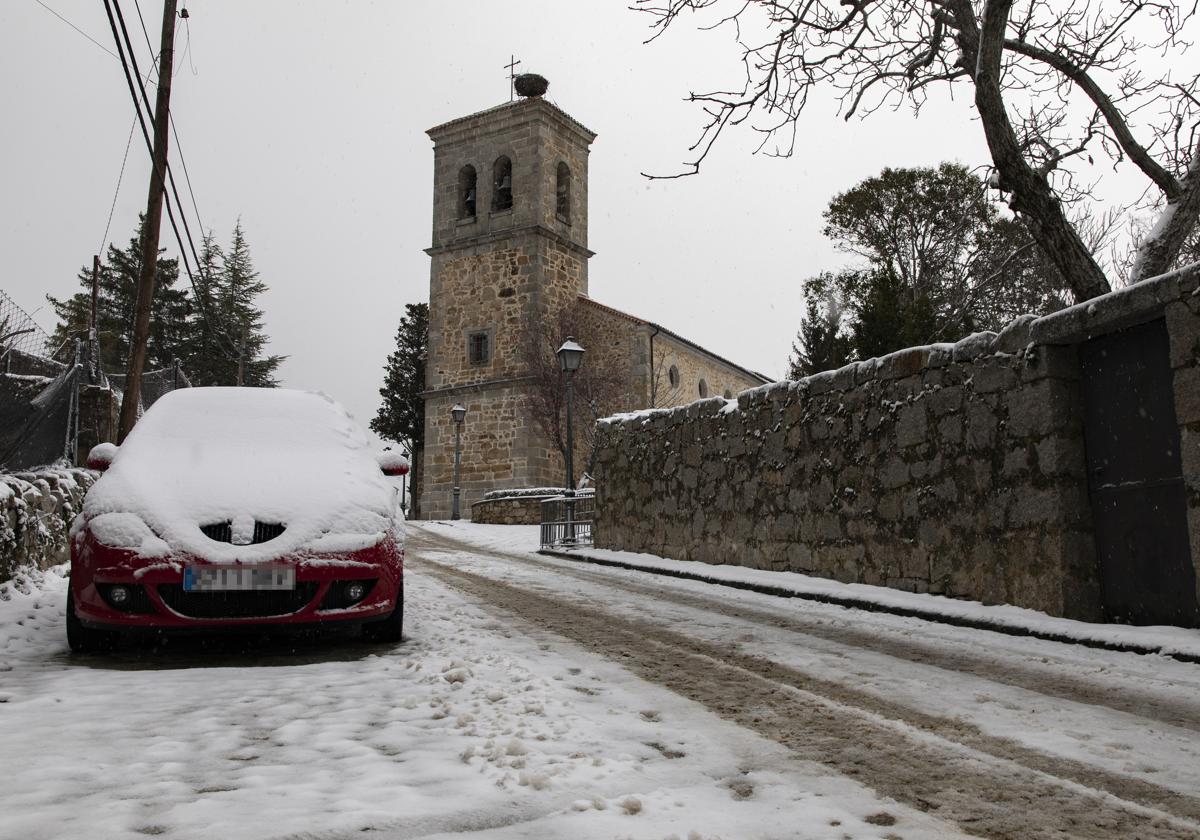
(870, 606)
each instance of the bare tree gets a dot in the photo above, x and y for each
(664, 392)
(1054, 82)
(598, 385)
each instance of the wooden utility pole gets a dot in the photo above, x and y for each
(158, 176)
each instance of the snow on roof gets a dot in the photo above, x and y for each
(205, 455)
(603, 307)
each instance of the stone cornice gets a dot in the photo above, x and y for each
(475, 386)
(522, 110)
(496, 236)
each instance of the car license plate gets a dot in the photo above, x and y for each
(226, 578)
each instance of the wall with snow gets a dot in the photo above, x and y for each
(955, 469)
(36, 509)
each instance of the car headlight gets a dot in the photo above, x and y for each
(129, 532)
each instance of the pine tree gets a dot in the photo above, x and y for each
(170, 328)
(238, 317)
(821, 343)
(401, 416)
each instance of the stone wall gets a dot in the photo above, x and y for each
(932, 470)
(509, 510)
(955, 469)
(36, 510)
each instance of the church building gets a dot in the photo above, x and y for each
(509, 256)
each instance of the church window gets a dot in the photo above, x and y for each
(502, 195)
(728, 394)
(466, 192)
(673, 376)
(562, 194)
(703, 388)
(479, 350)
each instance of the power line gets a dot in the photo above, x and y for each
(76, 28)
(133, 91)
(117, 191)
(170, 117)
(150, 111)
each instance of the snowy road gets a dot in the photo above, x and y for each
(539, 698)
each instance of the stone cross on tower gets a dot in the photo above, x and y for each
(512, 77)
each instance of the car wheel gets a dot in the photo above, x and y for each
(86, 639)
(390, 628)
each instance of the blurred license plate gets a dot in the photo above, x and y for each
(224, 578)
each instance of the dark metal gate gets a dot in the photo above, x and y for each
(1135, 478)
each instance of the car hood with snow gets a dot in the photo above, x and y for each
(265, 472)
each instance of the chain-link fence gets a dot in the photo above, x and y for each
(51, 411)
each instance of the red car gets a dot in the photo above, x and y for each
(234, 507)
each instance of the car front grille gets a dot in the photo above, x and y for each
(238, 603)
(223, 531)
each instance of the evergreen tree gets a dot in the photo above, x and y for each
(170, 330)
(821, 343)
(401, 416)
(236, 317)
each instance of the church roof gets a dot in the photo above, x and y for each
(527, 103)
(661, 329)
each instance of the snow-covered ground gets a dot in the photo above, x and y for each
(477, 723)
(1168, 640)
(535, 697)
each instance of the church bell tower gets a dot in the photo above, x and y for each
(509, 253)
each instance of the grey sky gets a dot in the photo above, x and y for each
(307, 120)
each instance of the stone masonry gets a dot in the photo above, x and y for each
(501, 273)
(498, 272)
(954, 469)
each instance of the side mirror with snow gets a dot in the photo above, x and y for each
(392, 463)
(101, 455)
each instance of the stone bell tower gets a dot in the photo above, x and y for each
(509, 253)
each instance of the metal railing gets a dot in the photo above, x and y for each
(567, 521)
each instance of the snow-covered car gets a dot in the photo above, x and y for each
(228, 507)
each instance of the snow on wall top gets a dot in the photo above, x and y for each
(206, 455)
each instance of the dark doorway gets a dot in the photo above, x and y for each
(1135, 478)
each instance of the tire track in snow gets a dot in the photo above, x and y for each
(1041, 680)
(989, 786)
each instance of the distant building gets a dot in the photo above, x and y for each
(509, 255)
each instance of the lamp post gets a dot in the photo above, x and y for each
(459, 412)
(570, 357)
(404, 486)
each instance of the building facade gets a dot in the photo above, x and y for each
(510, 256)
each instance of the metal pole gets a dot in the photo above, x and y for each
(457, 462)
(570, 494)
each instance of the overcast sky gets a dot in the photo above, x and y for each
(307, 120)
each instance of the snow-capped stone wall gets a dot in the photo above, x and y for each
(955, 469)
(36, 509)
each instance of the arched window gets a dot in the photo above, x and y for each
(673, 376)
(562, 193)
(502, 195)
(466, 192)
(728, 394)
(703, 389)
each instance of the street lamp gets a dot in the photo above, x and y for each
(459, 412)
(570, 357)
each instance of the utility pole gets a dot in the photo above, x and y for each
(158, 176)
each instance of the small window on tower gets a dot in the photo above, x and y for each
(466, 192)
(502, 195)
(479, 350)
(563, 193)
